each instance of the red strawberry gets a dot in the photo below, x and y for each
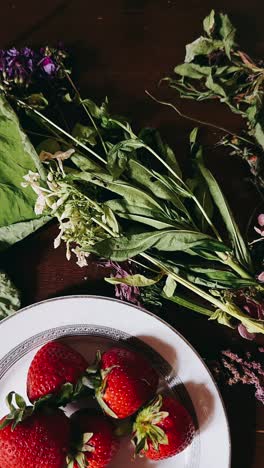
(99, 444)
(54, 365)
(128, 381)
(162, 429)
(42, 440)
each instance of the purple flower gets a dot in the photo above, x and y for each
(48, 66)
(19, 65)
(123, 291)
(245, 371)
(233, 369)
(254, 309)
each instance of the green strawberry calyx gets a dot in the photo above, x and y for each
(146, 429)
(96, 379)
(18, 410)
(79, 457)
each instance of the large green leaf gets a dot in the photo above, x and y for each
(17, 157)
(9, 296)
(169, 240)
(130, 193)
(13, 233)
(237, 240)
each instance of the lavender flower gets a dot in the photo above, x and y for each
(232, 369)
(124, 292)
(17, 65)
(21, 67)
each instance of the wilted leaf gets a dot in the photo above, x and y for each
(38, 101)
(135, 280)
(227, 32)
(118, 156)
(192, 70)
(222, 317)
(169, 287)
(9, 296)
(201, 46)
(84, 134)
(209, 23)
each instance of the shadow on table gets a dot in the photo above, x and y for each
(241, 411)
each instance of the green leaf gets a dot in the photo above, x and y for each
(135, 280)
(85, 163)
(168, 240)
(201, 46)
(209, 23)
(259, 134)
(17, 157)
(227, 32)
(151, 217)
(13, 233)
(237, 240)
(95, 111)
(119, 154)
(157, 185)
(214, 86)
(223, 318)
(169, 287)
(38, 101)
(109, 219)
(192, 70)
(130, 193)
(84, 134)
(9, 296)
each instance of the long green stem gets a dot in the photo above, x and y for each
(197, 121)
(184, 282)
(188, 304)
(86, 111)
(53, 125)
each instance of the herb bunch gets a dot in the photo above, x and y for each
(132, 201)
(215, 67)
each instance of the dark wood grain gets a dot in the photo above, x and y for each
(121, 48)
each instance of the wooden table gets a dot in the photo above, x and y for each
(121, 48)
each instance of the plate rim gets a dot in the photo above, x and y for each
(147, 312)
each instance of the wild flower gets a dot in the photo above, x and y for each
(80, 220)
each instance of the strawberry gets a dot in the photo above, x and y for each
(99, 443)
(55, 368)
(127, 382)
(40, 440)
(162, 429)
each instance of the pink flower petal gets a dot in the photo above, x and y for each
(261, 277)
(244, 333)
(261, 220)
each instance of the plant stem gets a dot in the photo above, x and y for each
(86, 111)
(68, 135)
(237, 267)
(198, 121)
(184, 282)
(188, 304)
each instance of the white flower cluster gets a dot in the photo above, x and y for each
(80, 219)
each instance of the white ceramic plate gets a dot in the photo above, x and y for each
(88, 323)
